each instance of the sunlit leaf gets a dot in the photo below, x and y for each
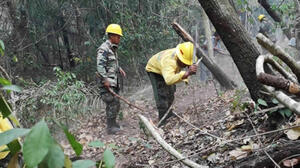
(109, 158)
(37, 144)
(83, 164)
(14, 88)
(68, 162)
(4, 82)
(10, 135)
(2, 45)
(96, 144)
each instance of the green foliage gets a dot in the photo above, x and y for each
(262, 102)
(10, 135)
(237, 98)
(108, 156)
(2, 48)
(37, 144)
(83, 164)
(65, 97)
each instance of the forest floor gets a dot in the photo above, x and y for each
(217, 119)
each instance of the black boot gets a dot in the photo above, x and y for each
(112, 128)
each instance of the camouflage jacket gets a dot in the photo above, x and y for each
(107, 63)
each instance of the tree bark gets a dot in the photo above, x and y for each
(223, 78)
(237, 41)
(275, 15)
(297, 26)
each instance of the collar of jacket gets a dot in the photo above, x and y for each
(112, 46)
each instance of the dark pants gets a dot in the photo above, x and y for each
(112, 103)
(163, 93)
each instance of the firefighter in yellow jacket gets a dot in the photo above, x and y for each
(165, 70)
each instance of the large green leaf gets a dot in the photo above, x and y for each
(55, 157)
(109, 158)
(4, 107)
(10, 135)
(83, 164)
(14, 88)
(37, 144)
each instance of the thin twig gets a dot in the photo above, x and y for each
(201, 132)
(266, 110)
(259, 140)
(166, 114)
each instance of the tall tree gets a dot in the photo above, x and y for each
(237, 41)
(297, 25)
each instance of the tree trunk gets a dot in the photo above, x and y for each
(223, 78)
(207, 35)
(275, 15)
(237, 41)
(297, 26)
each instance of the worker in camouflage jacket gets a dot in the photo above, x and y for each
(109, 70)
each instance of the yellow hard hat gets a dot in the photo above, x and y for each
(184, 52)
(114, 29)
(261, 17)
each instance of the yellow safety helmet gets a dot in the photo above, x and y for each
(114, 29)
(184, 52)
(261, 17)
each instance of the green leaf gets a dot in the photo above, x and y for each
(113, 146)
(14, 88)
(37, 144)
(83, 164)
(96, 144)
(262, 102)
(77, 147)
(4, 107)
(275, 101)
(2, 45)
(10, 135)
(4, 82)
(55, 157)
(285, 112)
(109, 158)
(14, 146)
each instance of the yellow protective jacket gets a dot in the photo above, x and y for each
(4, 126)
(165, 64)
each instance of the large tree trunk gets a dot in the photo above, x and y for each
(237, 41)
(297, 26)
(223, 78)
(275, 15)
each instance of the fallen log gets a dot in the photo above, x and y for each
(219, 74)
(280, 53)
(278, 152)
(167, 146)
(279, 83)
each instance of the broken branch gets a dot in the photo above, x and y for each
(167, 146)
